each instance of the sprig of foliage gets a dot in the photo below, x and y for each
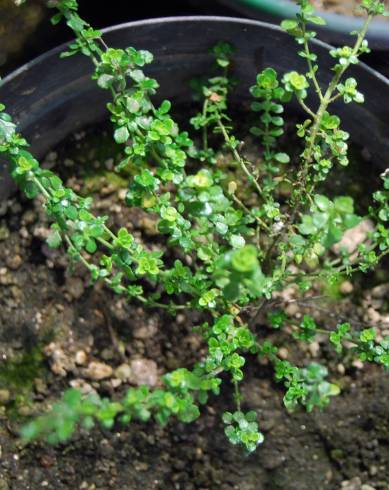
(242, 428)
(271, 95)
(234, 238)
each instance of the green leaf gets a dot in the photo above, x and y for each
(125, 239)
(7, 130)
(91, 246)
(169, 214)
(330, 121)
(296, 80)
(344, 204)
(105, 81)
(54, 239)
(277, 318)
(237, 241)
(267, 79)
(322, 202)
(227, 417)
(368, 335)
(315, 19)
(121, 135)
(164, 108)
(30, 189)
(245, 259)
(289, 25)
(282, 157)
(133, 106)
(307, 227)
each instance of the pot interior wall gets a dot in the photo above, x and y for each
(52, 97)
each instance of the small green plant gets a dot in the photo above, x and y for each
(245, 240)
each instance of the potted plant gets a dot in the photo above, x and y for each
(227, 256)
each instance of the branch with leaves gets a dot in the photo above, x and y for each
(235, 239)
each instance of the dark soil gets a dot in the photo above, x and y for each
(347, 7)
(53, 326)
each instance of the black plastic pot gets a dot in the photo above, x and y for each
(336, 31)
(51, 97)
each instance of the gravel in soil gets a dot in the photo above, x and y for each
(56, 332)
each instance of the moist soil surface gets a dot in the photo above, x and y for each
(56, 331)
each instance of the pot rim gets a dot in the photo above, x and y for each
(172, 20)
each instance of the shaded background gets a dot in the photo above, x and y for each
(26, 32)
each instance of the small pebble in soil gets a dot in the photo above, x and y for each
(283, 353)
(80, 357)
(41, 232)
(292, 309)
(122, 194)
(4, 396)
(381, 291)
(82, 385)
(341, 369)
(25, 410)
(115, 383)
(60, 362)
(314, 348)
(373, 316)
(357, 364)
(40, 386)
(373, 470)
(180, 319)
(108, 354)
(75, 287)
(143, 372)
(3, 484)
(353, 484)
(28, 217)
(4, 233)
(146, 331)
(354, 237)
(123, 372)
(149, 226)
(14, 262)
(3, 208)
(346, 287)
(98, 371)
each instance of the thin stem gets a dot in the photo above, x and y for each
(110, 233)
(238, 158)
(335, 97)
(156, 304)
(205, 128)
(105, 243)
(37, 182)
(305, 107)
(245, 208)
(237, 395)
(310, 66)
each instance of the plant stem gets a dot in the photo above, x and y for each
(245, 208)
(237, 395)
(205, 128)
(310, 66)
(326, 100)
(238, 158)
(305, 107)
